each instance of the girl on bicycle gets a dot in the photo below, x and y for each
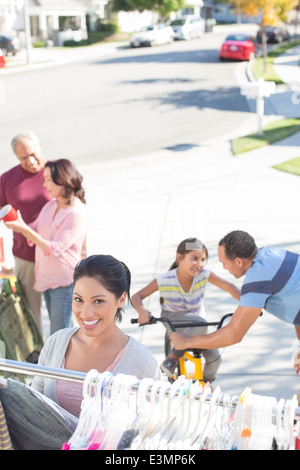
(181, 292)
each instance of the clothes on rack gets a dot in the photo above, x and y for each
(34, 421)
(123, 413)
(136, 359)
(5, 442)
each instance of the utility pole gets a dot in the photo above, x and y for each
(27, 31)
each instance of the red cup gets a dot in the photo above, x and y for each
(8, 213)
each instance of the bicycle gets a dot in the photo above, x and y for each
(193, 356)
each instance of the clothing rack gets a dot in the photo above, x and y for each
(74, 376)
(27, 368)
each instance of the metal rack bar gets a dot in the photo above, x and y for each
(64, 374)
(27, 368)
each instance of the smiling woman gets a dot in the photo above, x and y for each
(45, 415)
(101, 286)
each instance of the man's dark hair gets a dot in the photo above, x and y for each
(238, 244)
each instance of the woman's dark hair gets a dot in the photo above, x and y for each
(64, 173)
(189, 244)
(238, 244)
(114, 275)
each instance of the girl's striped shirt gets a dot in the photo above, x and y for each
(175, 298)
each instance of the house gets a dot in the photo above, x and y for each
(95, 9)
(8, 13)
(57, 20)
(50, 20)
(227, 13)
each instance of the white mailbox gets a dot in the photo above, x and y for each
(258, 91)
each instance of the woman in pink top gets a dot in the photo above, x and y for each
(58, 235)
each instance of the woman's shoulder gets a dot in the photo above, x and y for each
(76, 212)
(60, 336)
(55, 347)
(138, 352)
(138, 360)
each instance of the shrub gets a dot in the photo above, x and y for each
(39, 44)
(107, 26)
(73, 43)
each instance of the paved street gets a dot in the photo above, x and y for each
(115, 102)
(141, 206)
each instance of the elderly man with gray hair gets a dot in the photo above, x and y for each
(23, 187)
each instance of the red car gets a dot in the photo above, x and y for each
(237, 47)
(2, 59)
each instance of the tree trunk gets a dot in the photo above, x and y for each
(265, 49)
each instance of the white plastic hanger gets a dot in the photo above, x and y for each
(175, 418)
(99, 408)
(88, 384)
(210, 426)
(183, 418)
(193, 414)
(239, 422)
(163, 413)
(202, 417)
(121, 415)
(147, 426)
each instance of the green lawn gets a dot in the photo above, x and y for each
(272, 133)
(269, 74)
(277, 130)
(290, 166)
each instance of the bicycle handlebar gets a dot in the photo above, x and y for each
(171, 327)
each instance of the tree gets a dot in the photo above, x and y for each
(164, 7)
(271, 12)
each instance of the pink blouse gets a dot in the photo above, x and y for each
(69, 394)
(64, 233)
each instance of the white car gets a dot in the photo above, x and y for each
(188, 27)
(152, 35)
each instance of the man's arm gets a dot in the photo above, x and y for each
(242, 319)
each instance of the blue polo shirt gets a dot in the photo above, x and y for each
(273, 283)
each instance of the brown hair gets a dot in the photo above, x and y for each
(189, 244)
(64, 173)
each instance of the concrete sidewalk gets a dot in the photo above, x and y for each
(145, 206)
(52, 56)
(141, 208)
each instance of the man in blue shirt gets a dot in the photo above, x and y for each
(272, 282)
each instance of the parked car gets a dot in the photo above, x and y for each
(9, 45)
(188, 27)
(237, 47)
(2, 59)
(274, 34)
(152, 36)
